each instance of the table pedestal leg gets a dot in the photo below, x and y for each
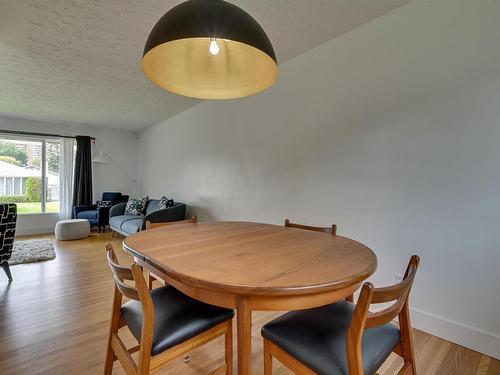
(244, 326)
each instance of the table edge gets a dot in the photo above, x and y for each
(251, 290)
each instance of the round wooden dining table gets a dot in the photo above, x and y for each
(253, 266)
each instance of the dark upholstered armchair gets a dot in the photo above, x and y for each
(8, 218)
(99, 216)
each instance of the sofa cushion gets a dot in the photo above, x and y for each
(117, 221)
(152, 206)
(89, 215)
(131, 226)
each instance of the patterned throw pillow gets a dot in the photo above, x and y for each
(165, 203)
(103, 204)
(136, 206)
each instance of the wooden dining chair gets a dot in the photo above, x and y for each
(149, 225)
(165, 322)
(331, 230)
(343, 338)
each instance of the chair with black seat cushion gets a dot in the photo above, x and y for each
(165, 322)
(344, 338)
(8, 218)
(97, 214)
(149, 225)
(331, 229)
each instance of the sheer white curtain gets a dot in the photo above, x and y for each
(66, 177)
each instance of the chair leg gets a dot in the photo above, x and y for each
(114, 326)
(112, 234)
(5, 266)
(150, 281)
(406, 338)
(108, 362)
(229, 348)
(268, 359)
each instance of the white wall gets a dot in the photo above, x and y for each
(120, 145)
(391, 131)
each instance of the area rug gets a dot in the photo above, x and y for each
(35, 250)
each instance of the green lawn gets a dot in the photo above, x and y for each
(36, 207)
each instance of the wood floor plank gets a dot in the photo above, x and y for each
(482, 368)
(494, 367)
(55, 315)
(459, 361)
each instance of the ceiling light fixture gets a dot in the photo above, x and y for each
(209, 49)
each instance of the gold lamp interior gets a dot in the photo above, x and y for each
(187, 67)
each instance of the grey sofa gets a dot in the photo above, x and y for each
(130, 224)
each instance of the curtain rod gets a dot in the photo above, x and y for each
(39, 134)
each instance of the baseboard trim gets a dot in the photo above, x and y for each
(456, 332)
(35, 230)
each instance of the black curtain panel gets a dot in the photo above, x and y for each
(82, 190)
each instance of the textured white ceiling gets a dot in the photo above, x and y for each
(79, 61)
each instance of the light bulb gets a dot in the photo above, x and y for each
(214, 48)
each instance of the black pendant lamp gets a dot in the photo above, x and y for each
(209, 49)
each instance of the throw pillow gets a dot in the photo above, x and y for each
(165, 203)
(136, 206)
(100, 204)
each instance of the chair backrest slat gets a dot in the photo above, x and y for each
(332, 230)
(386, 315)
(139, 290)
(391, 293)
(151, 225)
(127, 290)
(363, 319)
(119, 271)
(398, 293)
(400, 290)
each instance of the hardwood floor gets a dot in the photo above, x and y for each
(54, 320)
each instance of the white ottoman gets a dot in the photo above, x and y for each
(72, 229)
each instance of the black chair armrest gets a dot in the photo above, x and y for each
(117, 209)
(103, 215)
(78, 209)
(175, 213)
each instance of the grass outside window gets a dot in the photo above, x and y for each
(36, 207)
